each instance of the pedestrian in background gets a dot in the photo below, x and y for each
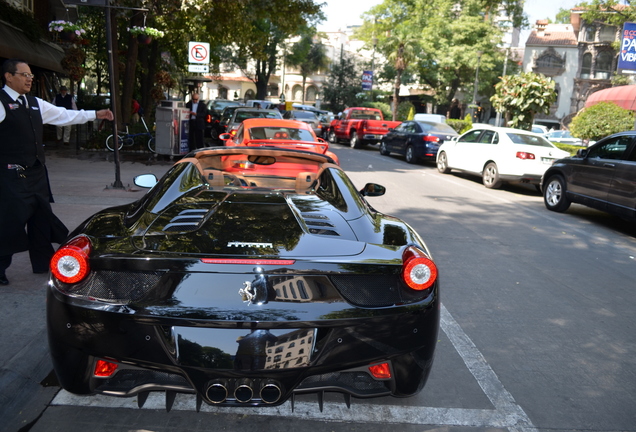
(455, 111)
(198, 114)
(65, 100)
(24, 187)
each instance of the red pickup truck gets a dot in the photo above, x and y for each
(360, 126)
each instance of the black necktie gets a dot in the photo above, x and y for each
(22, 100)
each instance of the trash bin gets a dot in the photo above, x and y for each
(172, 128)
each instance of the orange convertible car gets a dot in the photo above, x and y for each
(261, 132)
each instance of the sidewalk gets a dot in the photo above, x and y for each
(82, 185)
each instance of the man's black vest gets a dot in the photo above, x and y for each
(21, 132)
(64, 101)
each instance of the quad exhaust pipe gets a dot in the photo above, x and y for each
(269, 391)
(243, 392)
(217, 392)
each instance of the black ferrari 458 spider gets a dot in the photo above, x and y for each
(245, 276)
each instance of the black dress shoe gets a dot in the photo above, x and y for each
(3, 279)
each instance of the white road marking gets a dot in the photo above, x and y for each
(507, 414)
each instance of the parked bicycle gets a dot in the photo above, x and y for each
(128, 139)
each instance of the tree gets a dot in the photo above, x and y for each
(562, 16)
(522, 96)
(597, 10)
(450, 35)
(308, 55)
(601, 120)
(343, 84)
(262, 26)
(401, 48)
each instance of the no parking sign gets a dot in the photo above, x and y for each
(199, 52)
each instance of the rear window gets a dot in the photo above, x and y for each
(439, 127)
(284, 133)
(244, 115)
(304, 114)
(534, 140)
(365, 115)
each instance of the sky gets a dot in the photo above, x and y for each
(341, 13)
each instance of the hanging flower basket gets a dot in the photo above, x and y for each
(143, 33)
(144, 39)
(67, 31)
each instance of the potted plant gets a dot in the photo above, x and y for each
(67, 30)
(145, 34)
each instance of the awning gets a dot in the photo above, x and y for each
(15, 44)
(623, 96)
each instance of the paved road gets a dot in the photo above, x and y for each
(537, 329)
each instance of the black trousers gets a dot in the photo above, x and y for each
(25, 202)
(196, 137)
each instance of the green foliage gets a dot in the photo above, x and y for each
(449, 40)
(601, 120)
(620, 80)
(308, 55)
(343, 85)
(403, 110)
(563, 16)
(522, 96)
(382, 106)
(596, 10)
(572, 149)
(459, 125)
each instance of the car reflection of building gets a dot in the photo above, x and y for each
(297, 289)
(290, 350)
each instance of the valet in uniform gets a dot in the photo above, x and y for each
(24, 187)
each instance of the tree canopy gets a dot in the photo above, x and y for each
(522, 96)
(242, 33)
(450, 35)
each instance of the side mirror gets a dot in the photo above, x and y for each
(225, 136)
(372, 189)
(581, 153)
(145, 180)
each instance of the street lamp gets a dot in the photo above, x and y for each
(474, 104)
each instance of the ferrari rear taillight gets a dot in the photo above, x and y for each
(525, 155)
(70, 262)
(104, 368)
(418, 270)
(430, 138)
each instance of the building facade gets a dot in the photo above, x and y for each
(552, 50)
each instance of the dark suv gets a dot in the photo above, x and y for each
(602, 176)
